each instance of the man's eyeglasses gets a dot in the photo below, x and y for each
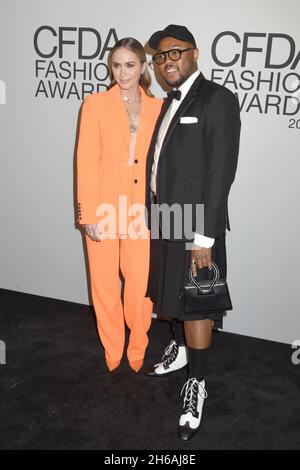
(173, 54)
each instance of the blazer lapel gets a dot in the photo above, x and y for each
(119, 114)
(143, 123)
(188, 100)
(160, 118)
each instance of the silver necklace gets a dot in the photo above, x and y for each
(136, 99)
(132, 123)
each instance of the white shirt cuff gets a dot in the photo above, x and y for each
(201, 240)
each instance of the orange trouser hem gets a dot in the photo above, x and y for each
(106, 258)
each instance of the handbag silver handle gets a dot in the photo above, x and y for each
(214, 280)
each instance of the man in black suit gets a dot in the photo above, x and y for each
(192, 160)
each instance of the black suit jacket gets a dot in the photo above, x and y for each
(198, 161)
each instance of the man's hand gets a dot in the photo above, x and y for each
(201, 258)
(93, 232)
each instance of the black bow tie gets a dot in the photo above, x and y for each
(174, 94)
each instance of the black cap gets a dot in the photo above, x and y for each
(173, 30)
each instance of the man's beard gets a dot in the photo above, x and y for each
(178, 82)
(182, 78)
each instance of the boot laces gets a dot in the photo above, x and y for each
(170, 353)
(192, 389)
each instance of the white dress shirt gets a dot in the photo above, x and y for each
(199, 240)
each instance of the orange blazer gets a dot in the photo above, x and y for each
(103, 152)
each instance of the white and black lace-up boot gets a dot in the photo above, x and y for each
(174, 358)
(190, 419)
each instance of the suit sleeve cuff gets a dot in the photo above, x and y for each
(201, 240)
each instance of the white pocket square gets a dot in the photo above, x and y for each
(188, 120)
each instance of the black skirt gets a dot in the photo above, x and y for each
(169, 268)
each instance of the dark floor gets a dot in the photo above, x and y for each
(57, 394)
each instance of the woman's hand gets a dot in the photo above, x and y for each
(92, 231)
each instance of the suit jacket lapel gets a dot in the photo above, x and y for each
(188, 100)
(192, 93)
(119, 114)
(151, 150)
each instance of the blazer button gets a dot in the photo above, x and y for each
(135, 181)
(136, 161)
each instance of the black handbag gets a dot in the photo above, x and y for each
(209, 296)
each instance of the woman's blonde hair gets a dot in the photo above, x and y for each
(136, 47)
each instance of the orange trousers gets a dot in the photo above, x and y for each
(106, 259)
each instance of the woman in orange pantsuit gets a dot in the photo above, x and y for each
(115, 132)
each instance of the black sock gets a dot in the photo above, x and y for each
(178, 332)
(197, 363)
